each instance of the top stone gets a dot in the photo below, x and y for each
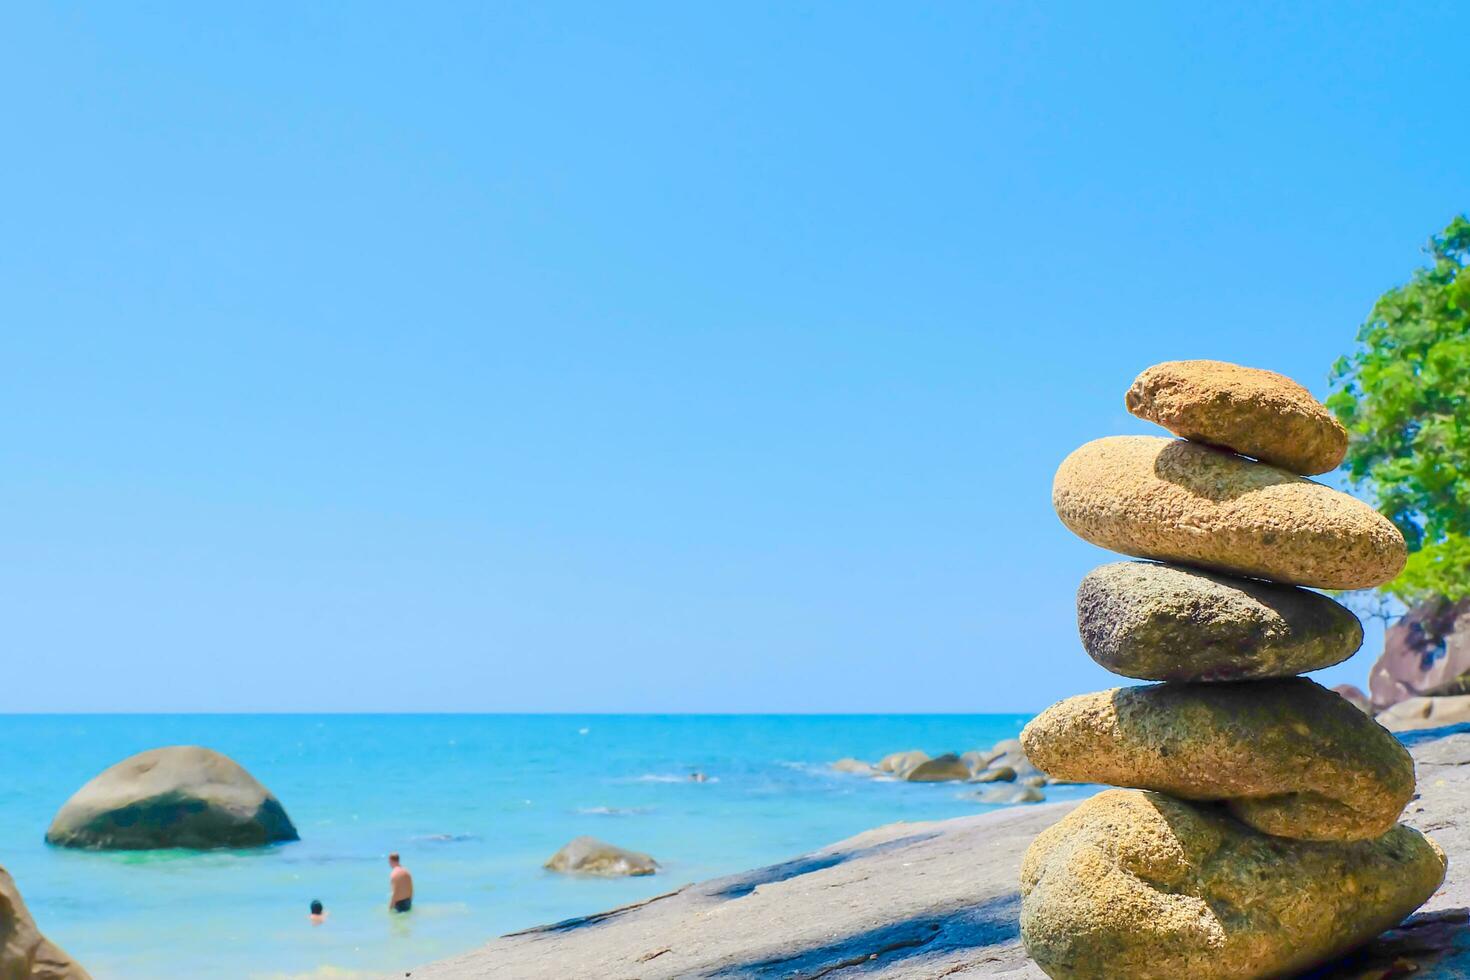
(1255, 413)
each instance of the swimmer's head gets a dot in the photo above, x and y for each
(316, 907)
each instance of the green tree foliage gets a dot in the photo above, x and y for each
(1404, 395)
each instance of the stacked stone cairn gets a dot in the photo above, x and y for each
(1259, 835)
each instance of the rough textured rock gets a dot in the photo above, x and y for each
(924, 901)
(1179, 501)
(901, 762)
(1140, 885)
(1166, 623)
(25, 954)
(940, 769)
(180, 796)
(1290, 757)
(590, 856)
(1420, 713)
(1247, 410)
(1427, 652)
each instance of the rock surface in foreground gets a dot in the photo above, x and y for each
(1289, 757)
(1140, 885)
(921, 901)
(1247, 410)
(180, 796)
(590, 856)
(1165, 623)
(25, 953)
(1178, 501)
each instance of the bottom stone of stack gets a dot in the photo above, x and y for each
(1141, 885)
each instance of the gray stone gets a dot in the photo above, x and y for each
(1000, 774)
(856, 767)
(1165, 623)
(1419, 713)
(180, 796)
(899, 763)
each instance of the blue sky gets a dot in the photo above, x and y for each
(635, 357)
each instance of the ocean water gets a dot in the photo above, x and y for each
(474, 803)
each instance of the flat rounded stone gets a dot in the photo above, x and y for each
(1288, 757)
(1179, 501)
(1143, 886)
(1253, 412)
(1167, 623)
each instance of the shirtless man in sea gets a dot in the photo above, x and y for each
(400, 899)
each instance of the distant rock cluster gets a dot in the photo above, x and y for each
(1260, 835)
(1004, 764)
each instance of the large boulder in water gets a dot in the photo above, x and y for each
(179, 796)
(590, 856)
(25, 953)
(1147, 887)
(940, 769)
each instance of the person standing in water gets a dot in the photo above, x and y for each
(318, 914)
(400, 898)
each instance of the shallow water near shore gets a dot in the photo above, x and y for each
(475, 804)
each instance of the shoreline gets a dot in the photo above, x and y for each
(919, 900)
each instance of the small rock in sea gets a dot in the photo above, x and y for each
(1000, 774)
(1164, 623)
(1038, 781)
(24, 952)
(1139, 885)
(1011, 794)
(1288, 757)
(940, 769)
(856, 767)
(180, 796)
(1249, 411)
(901, 762)
(590, 856)
(1179, 501)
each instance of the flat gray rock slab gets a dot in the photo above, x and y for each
(926, 901)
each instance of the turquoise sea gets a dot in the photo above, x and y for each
(475, 804)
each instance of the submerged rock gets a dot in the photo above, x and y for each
(1246, 410)
(1009, 795)
(180, 796)
(25, 953)
(856, 767)
(940, 769)
(1139, 885)
(590, 856)
(1165, 623)
(1179, 501)
(901, 762)
(1289, 757)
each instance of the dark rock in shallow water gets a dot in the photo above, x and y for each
(590, 856)
(181, 796)
(1165, 623)
(26, 953)
(940, 769)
